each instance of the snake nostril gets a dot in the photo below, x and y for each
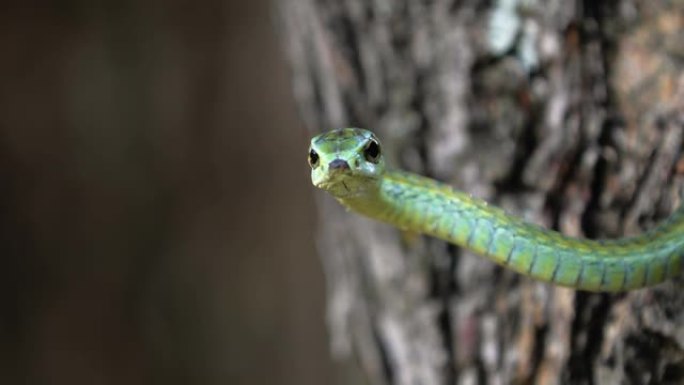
(339, 164)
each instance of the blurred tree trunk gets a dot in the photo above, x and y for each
(569, 114)
(141, 241)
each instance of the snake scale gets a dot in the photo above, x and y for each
(348, 163)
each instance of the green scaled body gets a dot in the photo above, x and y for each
(412, 202)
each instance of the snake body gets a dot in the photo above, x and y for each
(348, 164)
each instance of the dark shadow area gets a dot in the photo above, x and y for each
(155, 209)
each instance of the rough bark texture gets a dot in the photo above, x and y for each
(568, 113)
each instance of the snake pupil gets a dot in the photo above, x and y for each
(372, 151)
(313, 158)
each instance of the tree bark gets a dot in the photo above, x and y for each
(569, 114)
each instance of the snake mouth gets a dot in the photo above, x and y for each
(334, 183)
(344, 183)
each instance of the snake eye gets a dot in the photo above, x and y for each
(372, 151)
(313, 158)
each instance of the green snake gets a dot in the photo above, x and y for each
(348, 163)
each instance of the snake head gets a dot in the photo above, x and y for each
(346, 162)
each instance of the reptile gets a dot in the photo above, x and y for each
(349, 164)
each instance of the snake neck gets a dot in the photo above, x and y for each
(415, 203)
(409, 201)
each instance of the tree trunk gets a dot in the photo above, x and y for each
(569, 114)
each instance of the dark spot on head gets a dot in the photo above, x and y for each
(356, 163)
(339, 164)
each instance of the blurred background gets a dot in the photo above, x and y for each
(156, 221)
